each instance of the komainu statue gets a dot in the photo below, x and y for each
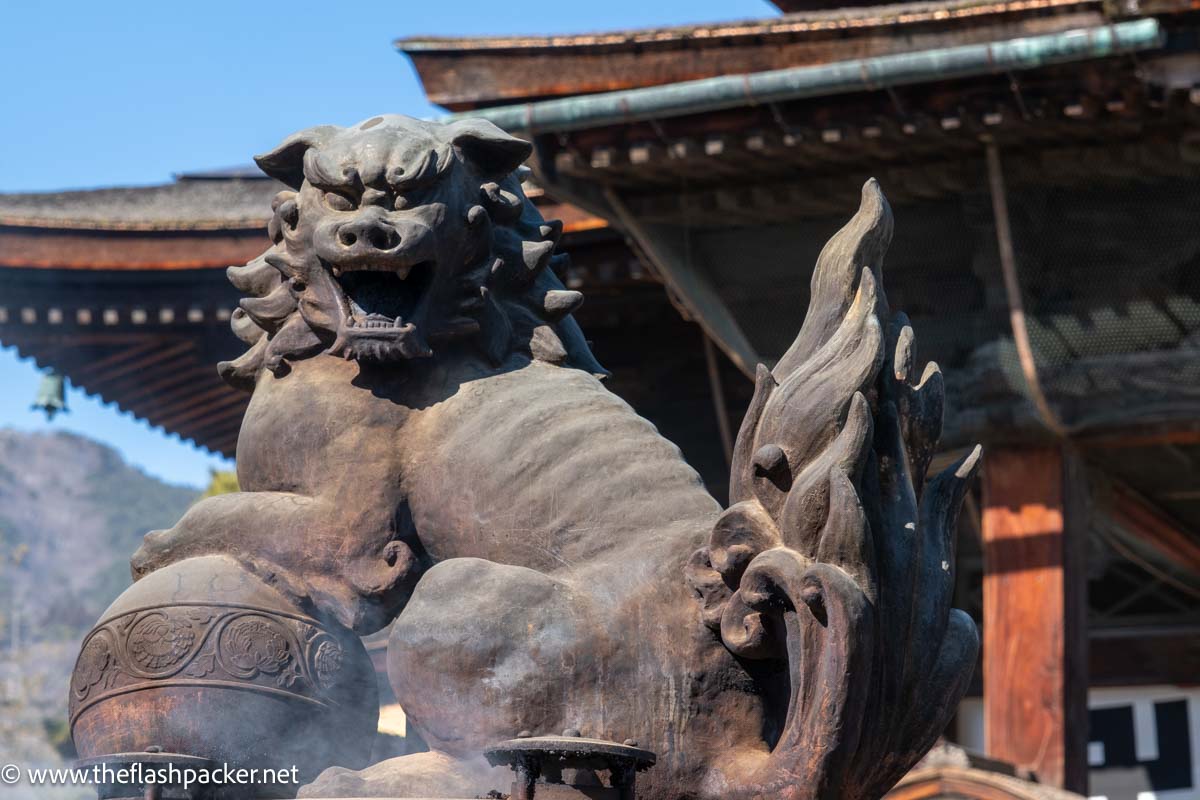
(429, 442)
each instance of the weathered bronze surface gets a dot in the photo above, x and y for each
(428, 438)
(204, 660)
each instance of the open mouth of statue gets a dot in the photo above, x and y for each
(382, 301)
(384, 310)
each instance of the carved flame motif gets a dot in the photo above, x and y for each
(834, 555)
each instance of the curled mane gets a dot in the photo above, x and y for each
(522, 306)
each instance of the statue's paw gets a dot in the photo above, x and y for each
(155, 552)
(337, 782)
(429, 774)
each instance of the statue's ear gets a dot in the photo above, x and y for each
(286, 162)
(489, 148)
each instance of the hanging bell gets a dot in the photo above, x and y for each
(52, 395)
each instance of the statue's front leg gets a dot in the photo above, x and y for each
(354, 567)
(225, 524)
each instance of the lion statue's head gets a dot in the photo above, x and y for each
(400, 237)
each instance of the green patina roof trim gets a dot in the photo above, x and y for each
(795, 83)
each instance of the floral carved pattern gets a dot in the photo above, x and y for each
(190, 644)
(159, 641)
(93, 662)
(254, 645)
(328, 656)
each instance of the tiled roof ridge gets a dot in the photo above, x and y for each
(60, 223)
(186, 205)
(793, 23)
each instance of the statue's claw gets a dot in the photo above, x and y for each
(153, 553)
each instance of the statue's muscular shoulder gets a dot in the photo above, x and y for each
(318, 427)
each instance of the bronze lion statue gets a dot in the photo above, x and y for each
(429, 442)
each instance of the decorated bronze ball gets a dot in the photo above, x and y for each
(201, 658)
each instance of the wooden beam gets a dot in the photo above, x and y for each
(198, 394)
(1138, 516)
(214, 430)
(225, 397)
(202, 379)
(1185, 433)
(1142, 656)
(146, 390)
(963, 782)
(231, 409)
(135, 366)
(100, 366)
(32, 246)
(1034, 616)
(226, 445)
(1118, 400)
(690, 284)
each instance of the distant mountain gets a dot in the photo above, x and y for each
(72, 511)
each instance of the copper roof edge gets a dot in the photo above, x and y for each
(794, 23)
(144, 226)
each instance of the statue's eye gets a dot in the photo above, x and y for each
(339, 202)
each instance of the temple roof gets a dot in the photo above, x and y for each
(233, 199)
(948, 771)
(721, 33)
(187, 204)
(478, 72)
(123, 290)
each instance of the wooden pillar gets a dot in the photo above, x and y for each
(1035, 614)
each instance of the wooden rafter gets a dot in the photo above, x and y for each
(101, 366)
(224, 399)
(171, 379)
(143, 360)
(1155, 527)
(183, 399)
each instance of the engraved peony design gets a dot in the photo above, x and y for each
(156, 647)
(327, 662)
(250, 646)
(92, 663)
(158, 642)
(160, 655)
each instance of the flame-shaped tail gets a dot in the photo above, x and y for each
(834, 553)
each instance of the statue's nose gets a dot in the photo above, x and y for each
(369, 233)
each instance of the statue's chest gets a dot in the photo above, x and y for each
(313, 427)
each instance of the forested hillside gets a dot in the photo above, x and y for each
(71, 513)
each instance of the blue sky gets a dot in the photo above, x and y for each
(126, 93)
